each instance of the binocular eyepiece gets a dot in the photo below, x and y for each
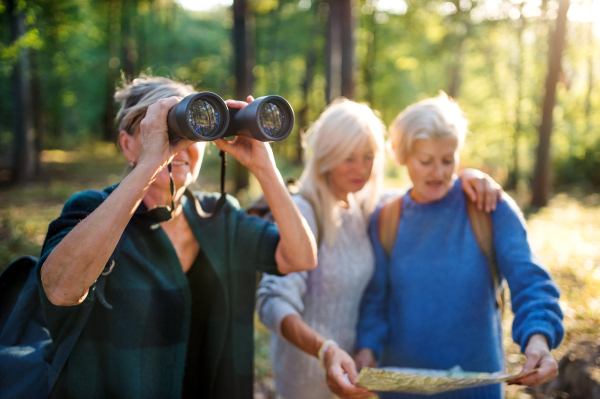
(205, 117)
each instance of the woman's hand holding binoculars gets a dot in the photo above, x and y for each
(155, 148)
(256, 155)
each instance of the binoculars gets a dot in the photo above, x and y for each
(205, 117)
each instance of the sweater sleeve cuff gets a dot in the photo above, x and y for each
(274, 312)
(547, 331)
(369, 344)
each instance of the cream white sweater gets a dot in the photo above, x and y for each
(327, 298)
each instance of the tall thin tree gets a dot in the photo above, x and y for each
(24, 162)
(340, 50)
(542, 179)
(243, 46)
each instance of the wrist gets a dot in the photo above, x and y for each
(325, 347)
(538, 339)
(267, 174)
(150, 168)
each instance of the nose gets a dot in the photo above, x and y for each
(438, 170)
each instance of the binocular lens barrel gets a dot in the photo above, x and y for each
(205, 117)
(271, 119)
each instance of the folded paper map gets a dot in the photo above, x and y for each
(428, 382)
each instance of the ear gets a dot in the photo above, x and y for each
(127, 143)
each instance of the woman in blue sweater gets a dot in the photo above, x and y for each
(431, 305)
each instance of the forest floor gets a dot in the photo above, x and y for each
(566, 235)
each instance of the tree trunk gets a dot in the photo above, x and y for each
(591, 81)
(542, 180)
(39, 112)
(244, 59)
(128, 11)
(333, 57)
(513, 177)
(456, 69)
(114, 10)
(311, 61)
(24, 137)
(368, 67)
(347, 36)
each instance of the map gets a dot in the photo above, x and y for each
(428, 382)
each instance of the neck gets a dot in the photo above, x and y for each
(343, 199)
(158, 196)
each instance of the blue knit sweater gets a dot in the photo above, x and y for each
(433, 305)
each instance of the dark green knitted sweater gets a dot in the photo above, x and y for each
(137, 349)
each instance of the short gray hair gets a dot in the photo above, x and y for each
(136, 96)
(436, 118)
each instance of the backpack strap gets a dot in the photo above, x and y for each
(389, 220)
(481, 224)
(483, 230)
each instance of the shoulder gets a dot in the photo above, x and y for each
(86, 201)
(507, 210)
(304, 206)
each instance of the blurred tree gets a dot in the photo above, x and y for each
(244, 61)
(24, 158)
(542, 179)
(340, 50)
(590, 77)
(514, 174)
(311, 60)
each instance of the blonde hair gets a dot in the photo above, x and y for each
(436, 118)
(136, 96)
(341, 128)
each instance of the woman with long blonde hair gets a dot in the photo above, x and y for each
(314, 314)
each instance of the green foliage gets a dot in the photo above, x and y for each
(493, 59)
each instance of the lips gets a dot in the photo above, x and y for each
(178, 163)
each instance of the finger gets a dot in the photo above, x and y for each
(468, 188)
(161, 108)
(350, 368)
(250, 99)
(236, 104)
(224, 145)
(346, 387)
(547, 371)
(533, 360)
(500, 192)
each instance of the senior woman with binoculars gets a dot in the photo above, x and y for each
(173, 315)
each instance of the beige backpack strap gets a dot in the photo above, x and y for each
(389, 219)
(483, 230)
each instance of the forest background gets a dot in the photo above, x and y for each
(526, 72)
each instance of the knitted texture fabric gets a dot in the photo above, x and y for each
(327, 298)
(433, 305)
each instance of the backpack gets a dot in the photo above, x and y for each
(30, 362)
(481, 224)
